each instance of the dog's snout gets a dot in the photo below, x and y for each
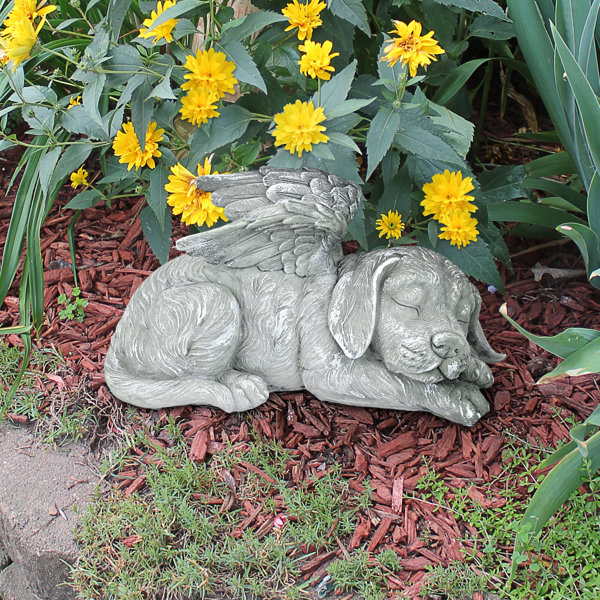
(446, 344)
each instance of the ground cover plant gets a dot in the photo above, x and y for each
(446, 502)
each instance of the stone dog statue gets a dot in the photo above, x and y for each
(267, 302)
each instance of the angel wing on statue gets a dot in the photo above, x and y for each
(267, 302)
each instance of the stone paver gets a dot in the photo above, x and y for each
(39, 489)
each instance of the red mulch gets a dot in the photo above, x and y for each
(383, 447)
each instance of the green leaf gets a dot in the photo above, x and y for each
(239, 29)
(159, 237)
(474, 259)
(415, 139)
(91, 97)
(347, 107)
(78, 120)
(335, 91)
(163, 89)
(227, 128)
(456, 79)
(117, 10)
(142, 107)
(245, 68)
(283, 158)
(487, 7)
(73, 157)
(538, 51)
(564, 344)
(125, 60)
(491, 28)
(554, 490)
(502, 183)
(460, 131)
(342, 139)
(356, 228)
(557, 188)
(381, 135)
(84, 199)
(46, 168)
(586, 99)
(525, 212)
(352, 11)
(157, 196)
(182, 7)
(558, 163)
(588, 243)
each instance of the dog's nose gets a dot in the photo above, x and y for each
(446, 344)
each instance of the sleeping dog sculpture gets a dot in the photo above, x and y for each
(267, 302)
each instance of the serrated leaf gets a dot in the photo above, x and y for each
(356, 228)
(245, 68)
(342, 139)
(73, 157)
(486, 7)
(335, 91)
(84, 199)
(474, 259)
(502, 183)
(491, 28)
(381, 135)
(219, 132)
(182, 7)
(239, 29)
(347, 107)
(352, 11)
(157, 196)
(460, 131)
(142, 107)
(159, 237)
(124, 60)
(47, 164)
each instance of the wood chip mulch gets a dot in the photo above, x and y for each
(384, 448)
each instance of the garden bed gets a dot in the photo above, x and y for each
(442, 494)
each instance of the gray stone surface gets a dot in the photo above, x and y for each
(267, 303)
(39, 490)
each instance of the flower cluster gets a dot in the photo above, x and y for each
(162, 31)
(21, 30)
(410, 47)
(210, 77)
(194, 205)
(390, 225)
(447, 200)
(304, 16)
(127, 147)
(298, 126)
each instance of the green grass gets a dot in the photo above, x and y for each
(172, 541)
(62, 417)
(563, 560)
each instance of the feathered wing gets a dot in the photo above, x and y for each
(280, 219)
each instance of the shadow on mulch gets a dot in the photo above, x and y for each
(383, 447)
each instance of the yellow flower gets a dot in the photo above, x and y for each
(390, 225)
(17, 43)
(26, 9)
(74, 101)
(198, 105)
(79, 178)
(127, 147)
(447, 191)
(315, 60)
(164, 30)
(460, 228)
(212, 70)
(298, 127)
(194, 205)
(304, 16)
(411, 47)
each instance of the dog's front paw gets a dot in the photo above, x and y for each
(479, 373)
(457, 401)
(249, 391)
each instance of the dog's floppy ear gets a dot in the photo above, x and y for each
(477, 339)
(353, 306)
